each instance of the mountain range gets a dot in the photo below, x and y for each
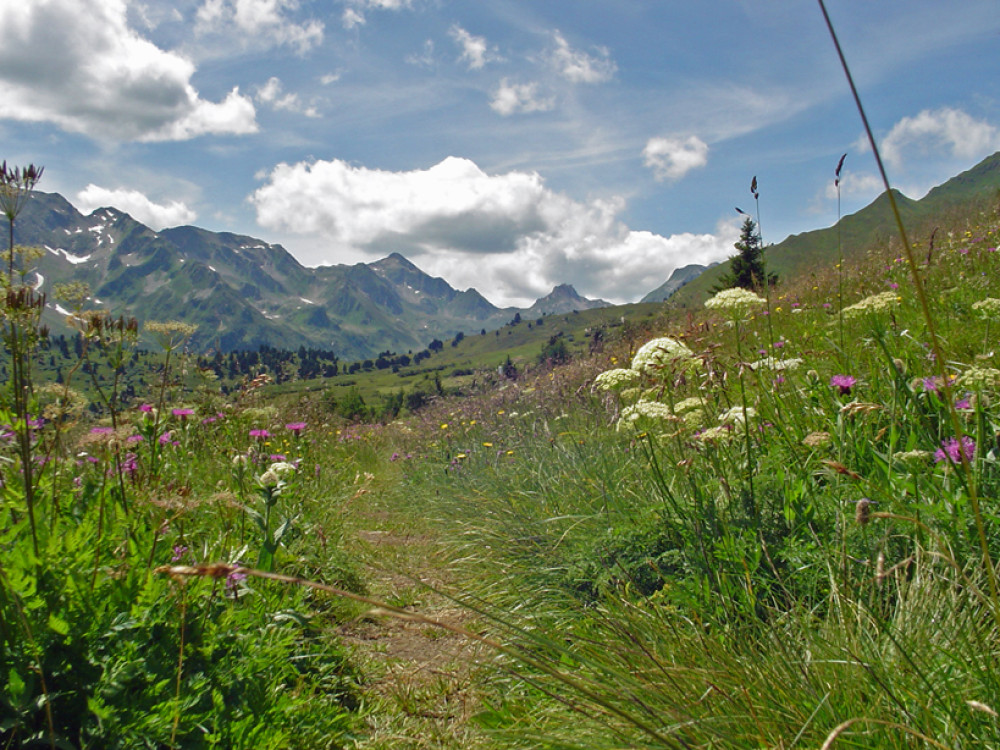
(243, 292)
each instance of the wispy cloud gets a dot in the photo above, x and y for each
(579, 67)
(476, 52)
(267, 22)
(273, 95)
(671, 158)
(511, 98)
(354, 12)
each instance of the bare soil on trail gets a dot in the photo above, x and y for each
(422, 680)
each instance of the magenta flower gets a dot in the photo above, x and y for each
(296, 427)
(260, 434)
(102, 430)
(182, 413)
(844, 383)
(951, 450)
(147, 408)
(179, 550)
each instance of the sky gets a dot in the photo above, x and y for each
(506, 145)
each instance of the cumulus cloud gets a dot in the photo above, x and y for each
(456, 221)
(272, 94)
(947, 130)
(475, 51)
(263, 21)
(672, 158)
(579, 67)
(510, 98)
(137, 205)
(77, 64)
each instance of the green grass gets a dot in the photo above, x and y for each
(635, 566)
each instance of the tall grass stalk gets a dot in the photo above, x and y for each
(936, 348)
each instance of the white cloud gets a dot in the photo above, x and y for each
(947, 130)
(475, 51)
(354, 13)
(510, 98)
(507, 234)
(272, 94)
(426, 58)
(853, 184)
(135, 204)
(77, 64)
(579, 67)
(672, 158)
(262, 21)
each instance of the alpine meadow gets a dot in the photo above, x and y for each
(758, 509)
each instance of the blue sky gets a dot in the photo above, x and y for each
(504, 145)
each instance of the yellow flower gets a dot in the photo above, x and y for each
(444, 426)
(487, 445)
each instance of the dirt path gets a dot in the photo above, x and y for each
(422, 679)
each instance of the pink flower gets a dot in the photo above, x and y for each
(147, 408)
(844, 383)
(296, 427)
(182, 413)
(260, 434)
(951, 450)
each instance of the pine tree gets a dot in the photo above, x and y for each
(746, 269)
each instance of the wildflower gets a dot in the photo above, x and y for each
(844, 383)
(952, 450)
(295, 427)
(738, 415)
(631, 415)
(179, 551)
(102, 430)
(275, 473)
(877, 303)
(816, 439)
(863, 510)
(736, 301)
(770, 363)
(260, 434)
(722, 434)
(658, 354)
(914, 458)
(979, 378)
(233, 580)
(687, 405)
(182, 413)
(617, 379)
(165, 438)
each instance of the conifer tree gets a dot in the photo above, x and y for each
(746, 269)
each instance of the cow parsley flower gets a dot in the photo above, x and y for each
(736, 301)
(988, 307)
(616, 380)
(661, 353)
(877, 303)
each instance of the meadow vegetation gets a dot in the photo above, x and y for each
(772, 523)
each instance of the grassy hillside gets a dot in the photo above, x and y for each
(797, 258)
